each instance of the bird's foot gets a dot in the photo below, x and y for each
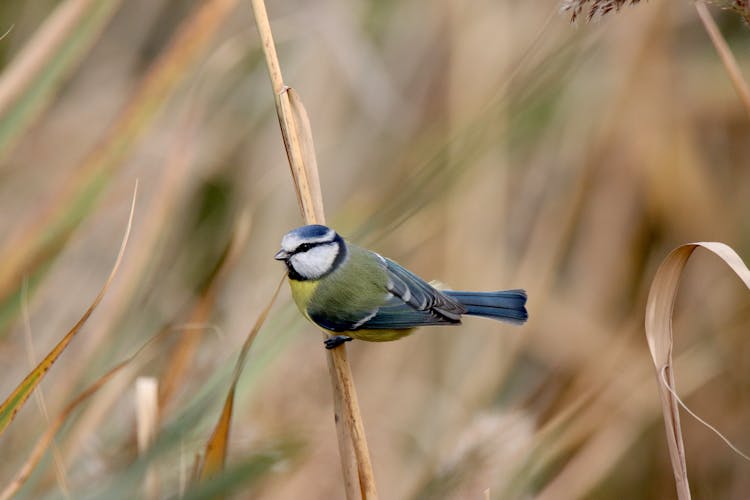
(335, 341)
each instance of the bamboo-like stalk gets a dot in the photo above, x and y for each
(725, 53)
(359, 480)
(147, 426)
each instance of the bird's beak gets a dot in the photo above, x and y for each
(281, 255)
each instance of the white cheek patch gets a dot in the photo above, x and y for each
(315, 262)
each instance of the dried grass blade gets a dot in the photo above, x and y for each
(725, 54)
(45, 440)
(62, 478)
(32, 78)
(659, 309)
(57, 217)
(217, 445)
(8, 31)
(18, 397)
(182, 357)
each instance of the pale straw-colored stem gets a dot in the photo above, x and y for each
(359, 481)
(726, 55)
(147, 426)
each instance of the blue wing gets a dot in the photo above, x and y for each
(411, 302)
(404, 316)
(419, 294)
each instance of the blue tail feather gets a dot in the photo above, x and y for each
(507, 305)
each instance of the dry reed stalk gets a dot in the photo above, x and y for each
(147, 425)
(359, 479)
(725, 53)
(659, 309)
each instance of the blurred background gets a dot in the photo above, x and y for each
(489, 144)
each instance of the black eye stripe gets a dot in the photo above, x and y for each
(304, 247)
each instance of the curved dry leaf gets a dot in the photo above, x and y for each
(216, 447)
(18, 397)
(659, 309)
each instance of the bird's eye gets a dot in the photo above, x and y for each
(304, 247)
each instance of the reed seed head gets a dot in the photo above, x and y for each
(594, 7)
(741, 7)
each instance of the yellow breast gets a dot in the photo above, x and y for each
(302, 292)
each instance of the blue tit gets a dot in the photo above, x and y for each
(354, 293)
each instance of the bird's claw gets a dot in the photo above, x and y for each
(335, 341)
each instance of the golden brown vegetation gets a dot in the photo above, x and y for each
(488, 144)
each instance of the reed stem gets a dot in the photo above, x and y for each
(725, 54)
(359, 480)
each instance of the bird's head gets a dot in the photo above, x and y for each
(311, 252)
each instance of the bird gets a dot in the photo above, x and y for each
(354, 293)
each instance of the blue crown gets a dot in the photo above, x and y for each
(312, 231)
